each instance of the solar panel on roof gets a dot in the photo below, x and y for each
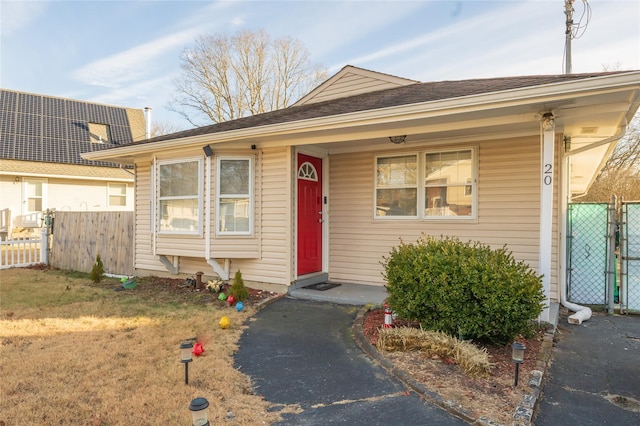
(7, 147)
(41, 128)
(8, 101)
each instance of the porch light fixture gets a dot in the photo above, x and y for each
(548, 121)
(517, 357)
(185, 358)
(397, 139)
(199, 411)
(207, 150)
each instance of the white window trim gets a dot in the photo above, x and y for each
(158, 213)
(416, 186)
(421, 185)
(32, 218)
(125, 195)
(251, 205)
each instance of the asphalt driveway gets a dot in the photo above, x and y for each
(594, 377)
(302, 353)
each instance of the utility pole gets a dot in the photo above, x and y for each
(568, 10)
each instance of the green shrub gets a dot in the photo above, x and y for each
(238, 290)
(97, 271)
(466, 290)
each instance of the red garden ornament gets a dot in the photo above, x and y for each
(231, 299)
(198, 349)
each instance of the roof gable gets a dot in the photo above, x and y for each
(350, 81)
(56, 130)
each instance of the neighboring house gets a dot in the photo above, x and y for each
(41, 139)
(324, 189)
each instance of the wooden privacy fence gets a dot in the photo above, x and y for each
(78, 237)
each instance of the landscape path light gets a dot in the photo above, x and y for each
(199, 411)
(185, 358)
(517, 356)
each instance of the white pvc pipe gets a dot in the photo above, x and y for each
(582, 312)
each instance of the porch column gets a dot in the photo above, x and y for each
(547, 130)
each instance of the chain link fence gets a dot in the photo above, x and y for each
(630, 256)
(588, 253)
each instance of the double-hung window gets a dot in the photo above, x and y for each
(179, 196)
(234, 212)
(397, 186)
(426, 185)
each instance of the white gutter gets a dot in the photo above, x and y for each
(621, 132)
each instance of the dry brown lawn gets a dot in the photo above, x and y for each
(77, 353)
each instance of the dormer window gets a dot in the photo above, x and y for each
(99, 133)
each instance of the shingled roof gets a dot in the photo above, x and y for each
(406, 95)
(56, 130)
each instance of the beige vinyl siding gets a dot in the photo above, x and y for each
(274, 265)
(508, 210)
(144, 257)
(352, 84)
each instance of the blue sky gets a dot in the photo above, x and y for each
(126, 53)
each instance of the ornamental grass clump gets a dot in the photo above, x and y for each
(466, 290)
(474, 361)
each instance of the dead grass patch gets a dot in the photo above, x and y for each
(83, 354)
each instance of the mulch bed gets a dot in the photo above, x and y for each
(174, 289)
(495, 397)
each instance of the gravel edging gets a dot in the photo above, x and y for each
(523, 413)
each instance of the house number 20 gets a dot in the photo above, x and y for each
(548, 172)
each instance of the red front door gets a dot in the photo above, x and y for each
(309, 214)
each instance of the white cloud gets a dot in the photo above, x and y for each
(516, 39)
(15, 15)
(132, 64)
(334, 25)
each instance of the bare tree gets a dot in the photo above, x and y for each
(159, 128)
(621, 174)
(224, 78)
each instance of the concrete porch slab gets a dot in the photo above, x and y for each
(345, 294)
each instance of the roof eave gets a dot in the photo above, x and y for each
(528, 95)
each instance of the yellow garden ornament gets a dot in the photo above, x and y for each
(224, 322)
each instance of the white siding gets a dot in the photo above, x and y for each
(508, 211)
(61, 194)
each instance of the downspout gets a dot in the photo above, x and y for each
(582, 313)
